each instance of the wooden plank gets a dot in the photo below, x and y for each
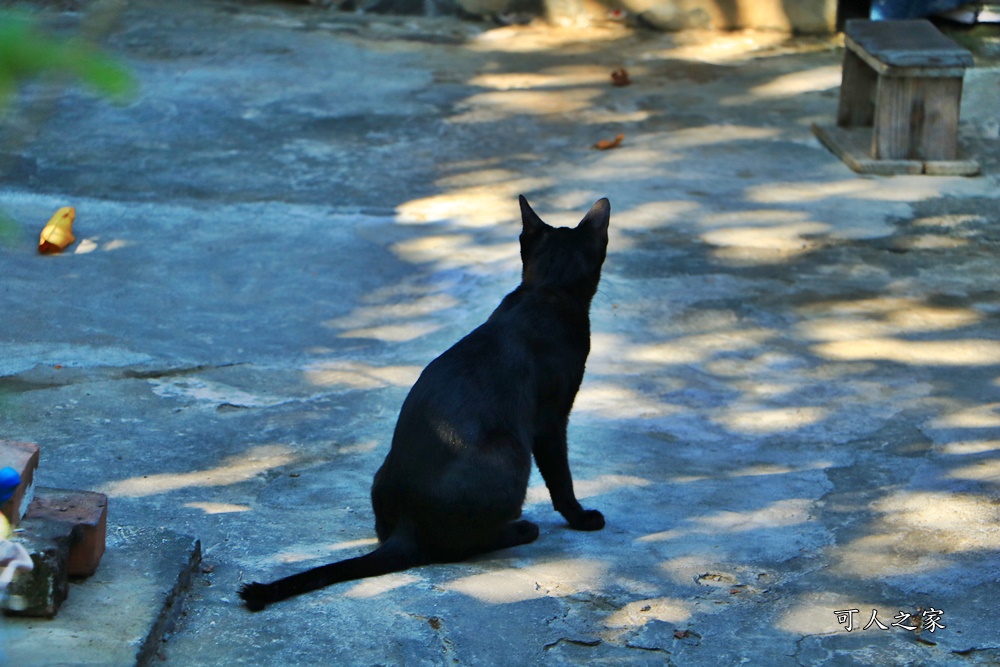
(853, 145)
(906, 48)
(951, 168)
(895, 109)
(917, 119)
(935, 134)
(857, 92)
(895, 71)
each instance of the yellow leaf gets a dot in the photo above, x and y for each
(58, 234)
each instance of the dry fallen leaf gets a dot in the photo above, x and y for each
(605, 144)
(58, 233)
(620, 77)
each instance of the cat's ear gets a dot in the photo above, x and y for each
(532, 224)
(597, 218)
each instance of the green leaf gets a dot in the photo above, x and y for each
(9, 229)
(26, 52)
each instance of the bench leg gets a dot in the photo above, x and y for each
(857, 92)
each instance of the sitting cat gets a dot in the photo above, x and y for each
(456, 475)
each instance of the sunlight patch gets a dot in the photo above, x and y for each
(887, 555)
(966, 447)
(976, 416)
(656, 214)
(404, 309)
(663, 536)
(782, 513)
(218, 508)
(457, 251)
(369, 588)
(785, 237)
(918, 530)
(765, 469)
(981, 471)
(477, 178)
(556, 579)
(969, 521)
(812, 613)
(359, 375)
(533, 38)
(234, 469)
(432, 248)
(618, 402)
(299, 555)
(370, 542)
(871, 318)
(779, 514)
(638, 613)
(684, 570)
(698, 348)
(969, 352)
(722, 47)
(500, 105)
(393, 333)
(588, 488)
(552, 77)
(480, 205)
(807, 192)
(771, 420)
(290, 557)
(797, 83)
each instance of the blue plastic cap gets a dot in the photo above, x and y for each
(9, 481)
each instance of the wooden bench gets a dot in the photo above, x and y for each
(899, 100)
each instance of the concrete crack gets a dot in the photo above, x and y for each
(436, 623)
(972, 650)
(159, 373)
(44, 376)
(575, 642)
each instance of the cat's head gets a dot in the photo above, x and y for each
(563, 257)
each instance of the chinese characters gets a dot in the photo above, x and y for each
(925, 619)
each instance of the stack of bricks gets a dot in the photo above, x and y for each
(64, 531)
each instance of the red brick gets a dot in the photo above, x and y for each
(83, 515)
(22, 457)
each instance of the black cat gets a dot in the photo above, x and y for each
(456, 475)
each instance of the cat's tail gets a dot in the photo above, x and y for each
(395, 554)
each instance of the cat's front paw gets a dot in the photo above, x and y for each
(588, 520)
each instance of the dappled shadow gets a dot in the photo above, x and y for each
(791, 401)
(789, 361)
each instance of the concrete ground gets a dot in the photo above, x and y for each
(792, 407)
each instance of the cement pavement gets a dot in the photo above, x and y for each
(790, 411)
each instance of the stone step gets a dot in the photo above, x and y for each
(23, 458)
(120, 615)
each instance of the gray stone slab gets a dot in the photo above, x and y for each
(790, 404)
(119, 616)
